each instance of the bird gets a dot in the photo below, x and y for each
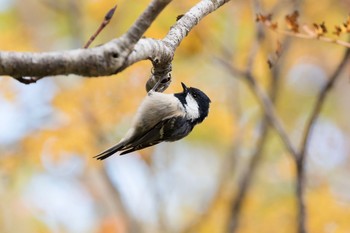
(162, 117)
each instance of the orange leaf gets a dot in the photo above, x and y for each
(292, 21)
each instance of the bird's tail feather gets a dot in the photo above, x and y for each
(110, 151)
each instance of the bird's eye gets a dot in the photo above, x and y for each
(194, 95)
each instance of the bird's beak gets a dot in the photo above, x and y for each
(184, 87)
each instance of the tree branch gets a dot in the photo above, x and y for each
(116, 55)
(185, 24)
(270, 113)
(104, 60)
(248, 174)
(300, 162)
(99, 61)
(320, 101)
(161, 52)
(137, 30)
(307, 33)
(104, 23)
(266, 105)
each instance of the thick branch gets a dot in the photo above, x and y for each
(104, 60)
(161, 52)
(185, 24)
(145, 20)
(115, 55)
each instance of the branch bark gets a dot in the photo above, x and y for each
(116, 55)
(104, 60)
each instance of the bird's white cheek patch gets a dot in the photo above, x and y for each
(191, 107)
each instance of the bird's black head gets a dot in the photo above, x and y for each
(196, 103)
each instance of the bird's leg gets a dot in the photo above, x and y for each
(160, 81)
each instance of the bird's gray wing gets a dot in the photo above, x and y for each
(170, 129)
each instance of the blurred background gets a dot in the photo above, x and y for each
(49, 131)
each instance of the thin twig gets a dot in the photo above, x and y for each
(266, 105)
(271, 114)
(247, 177)
(300, 191)
(106, 21)
(320, 101)
(307, 33)
(314, 37)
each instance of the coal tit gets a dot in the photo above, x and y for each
(162, 117)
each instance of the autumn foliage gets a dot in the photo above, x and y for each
(279, 85)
